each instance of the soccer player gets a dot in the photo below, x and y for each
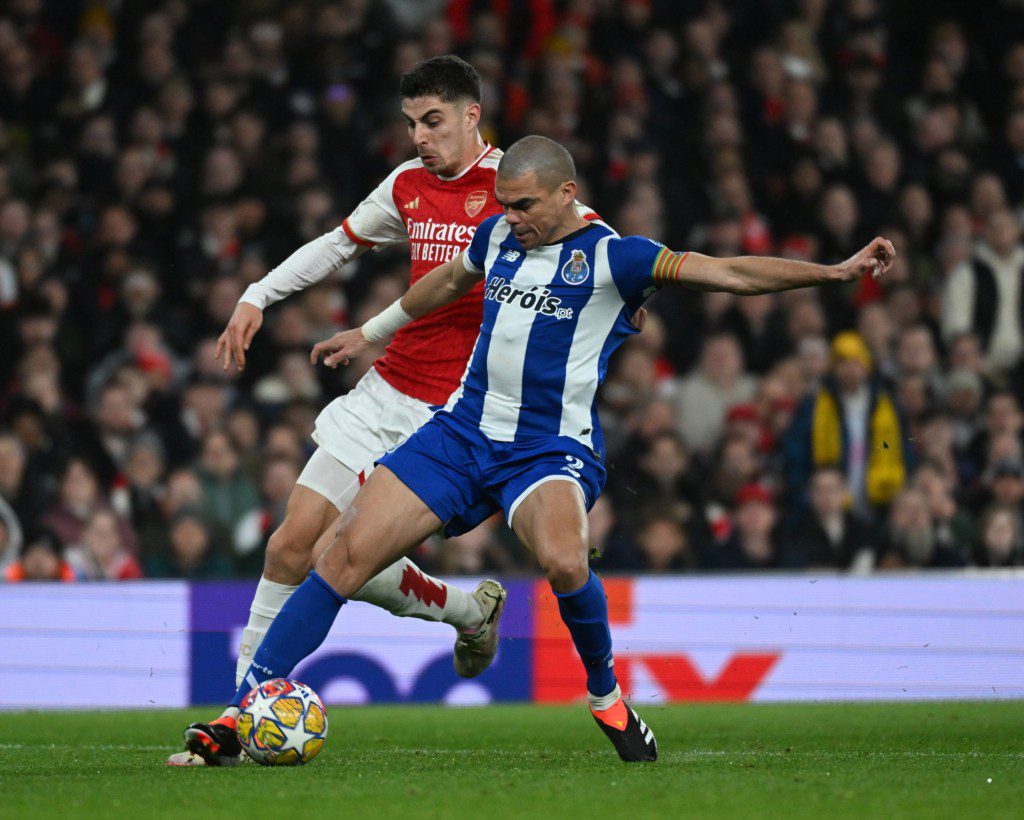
(522, 432)
(435, 202)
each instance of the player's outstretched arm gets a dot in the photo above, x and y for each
(443, 285)
(305, 267)
(766, 274)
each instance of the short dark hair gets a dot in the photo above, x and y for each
(448, 77)
(549, 160)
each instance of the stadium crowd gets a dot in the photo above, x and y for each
(156, 159)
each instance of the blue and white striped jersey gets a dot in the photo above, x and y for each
(552, 318)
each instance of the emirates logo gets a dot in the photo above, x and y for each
(475, 202)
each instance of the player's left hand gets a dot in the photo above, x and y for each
(340, 348)
(875, 258)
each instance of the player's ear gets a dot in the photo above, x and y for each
(569, 191)
(472, 114)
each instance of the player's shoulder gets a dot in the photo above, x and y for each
(627, 249)
(407, 171)
(412, 166)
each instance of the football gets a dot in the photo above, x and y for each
(282, 723)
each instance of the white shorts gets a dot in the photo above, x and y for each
(358, 428)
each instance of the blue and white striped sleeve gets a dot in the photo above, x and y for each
(475, 255)
(638, 266)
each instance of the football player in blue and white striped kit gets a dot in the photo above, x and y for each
(521, 434)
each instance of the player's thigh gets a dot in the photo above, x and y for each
(385, 521)
(306, 516)
(335, 482)
(551, 522)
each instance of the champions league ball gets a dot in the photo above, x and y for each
(282, 723)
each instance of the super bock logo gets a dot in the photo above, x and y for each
(576, 269)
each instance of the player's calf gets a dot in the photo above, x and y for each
(404, 590)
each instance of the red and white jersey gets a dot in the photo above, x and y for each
(438, 216)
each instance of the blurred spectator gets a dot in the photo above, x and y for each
(143, 471)
(101, 555)
(1006, 483)
(255, 528)
(40, 560)
(478, 551)
(1002, 436)
(190, 552)
(986, 296)
(702, 398)
(610, 548)
(227, 494)
(853, 422)
(78, 498)
(752, 544)
(1000, 538)
(911, 539)
(830, 535)
(663, 545)
(26, 497)
(10, 536)
(953, 526)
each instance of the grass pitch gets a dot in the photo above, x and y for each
(878, 760)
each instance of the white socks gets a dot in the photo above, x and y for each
(270, 597)
(403, 589)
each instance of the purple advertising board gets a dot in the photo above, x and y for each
(797, 638)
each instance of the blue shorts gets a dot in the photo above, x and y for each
(465, 478)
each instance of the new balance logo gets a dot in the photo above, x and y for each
(413, 205)
(510, 255)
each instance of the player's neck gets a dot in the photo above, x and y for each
(472, 153)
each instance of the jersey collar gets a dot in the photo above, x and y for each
(487, 149)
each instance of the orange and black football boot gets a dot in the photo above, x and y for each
(215, 742)
(631, 737)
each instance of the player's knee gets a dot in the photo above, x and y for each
(288, 547)
(566, 571)
(340, 567)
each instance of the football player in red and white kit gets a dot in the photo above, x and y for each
(435, 203)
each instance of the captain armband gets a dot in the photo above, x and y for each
(667, 266)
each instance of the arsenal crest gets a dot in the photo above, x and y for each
(576, 269)
(475, 202)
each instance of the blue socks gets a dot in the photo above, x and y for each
(585, 612)
(299, 628)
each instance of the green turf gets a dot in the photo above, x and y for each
(879, 760)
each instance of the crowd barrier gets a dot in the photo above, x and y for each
(759, 638)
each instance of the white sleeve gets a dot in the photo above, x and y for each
(308, 265)
(375, 223)
(958, 302)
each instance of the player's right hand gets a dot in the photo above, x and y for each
(340, 348)
(237, 336)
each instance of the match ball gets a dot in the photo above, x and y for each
(282, 723)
